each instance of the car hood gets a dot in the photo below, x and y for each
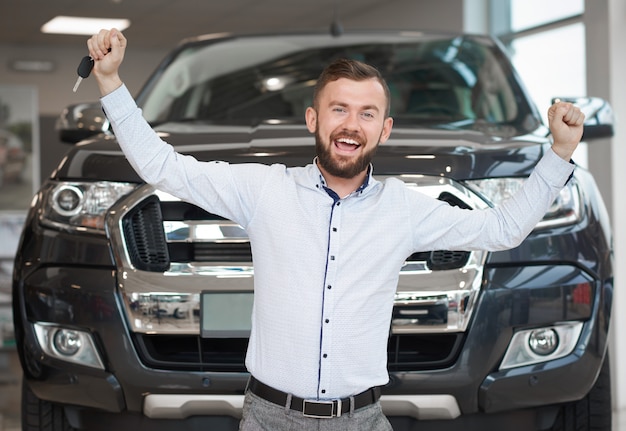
(457, 154)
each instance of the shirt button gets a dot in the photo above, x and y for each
(326, 320)
(325, 355)
(332, 258)
(334, 229)
(323, 391)
(329, 287)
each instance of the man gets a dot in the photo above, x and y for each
(327, 239)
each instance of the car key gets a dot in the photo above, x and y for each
(84, 69)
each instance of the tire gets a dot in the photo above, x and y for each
(180, 314)
(39, 415)
(593, 412)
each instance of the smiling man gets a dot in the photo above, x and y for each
(328, 239)
(351, 109)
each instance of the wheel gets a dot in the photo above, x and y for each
(39, 415)
(593, 412)
(180, 314)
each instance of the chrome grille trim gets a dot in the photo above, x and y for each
(427, 301)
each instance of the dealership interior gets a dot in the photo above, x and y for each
(559, 47)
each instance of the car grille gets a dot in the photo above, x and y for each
(145, 239)
(405, 352)
(150, 251)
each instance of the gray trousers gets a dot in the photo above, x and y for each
(261, 415)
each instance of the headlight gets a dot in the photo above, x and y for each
(565, 209)
(81, 205)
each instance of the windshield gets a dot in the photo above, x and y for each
(253, 80)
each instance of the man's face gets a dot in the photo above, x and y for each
(349, 122)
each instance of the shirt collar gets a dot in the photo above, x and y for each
(321, 181)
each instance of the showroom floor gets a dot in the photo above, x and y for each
(10, 387)
(10, 371)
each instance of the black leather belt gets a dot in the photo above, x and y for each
(314, 408)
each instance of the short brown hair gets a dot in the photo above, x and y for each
(350, 69)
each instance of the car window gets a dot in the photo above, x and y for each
(440, 80)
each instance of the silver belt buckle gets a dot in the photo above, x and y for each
(321, 409)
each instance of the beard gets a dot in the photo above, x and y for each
(341, 166)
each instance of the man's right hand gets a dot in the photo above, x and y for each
(107, 50)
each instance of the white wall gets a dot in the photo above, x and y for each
(597, 33)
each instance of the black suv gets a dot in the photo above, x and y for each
(119, 289)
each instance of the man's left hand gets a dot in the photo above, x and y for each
(566, 124)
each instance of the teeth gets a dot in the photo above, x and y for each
(348, 141)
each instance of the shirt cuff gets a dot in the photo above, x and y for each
(118, 104)
(554, 169)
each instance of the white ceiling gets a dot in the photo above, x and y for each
(162, 23)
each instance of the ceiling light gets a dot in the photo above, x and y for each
(32, 65)
(82, 26)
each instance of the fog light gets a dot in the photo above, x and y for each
(67, 342)
(543, 341)
(536, 345)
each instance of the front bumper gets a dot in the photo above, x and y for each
(87, 298)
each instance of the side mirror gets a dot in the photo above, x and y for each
(599, 118)
(81, 121)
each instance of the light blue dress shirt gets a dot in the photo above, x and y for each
(326, 269)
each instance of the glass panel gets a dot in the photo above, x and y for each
(433, 80)
(531, 13)
(549, 72)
